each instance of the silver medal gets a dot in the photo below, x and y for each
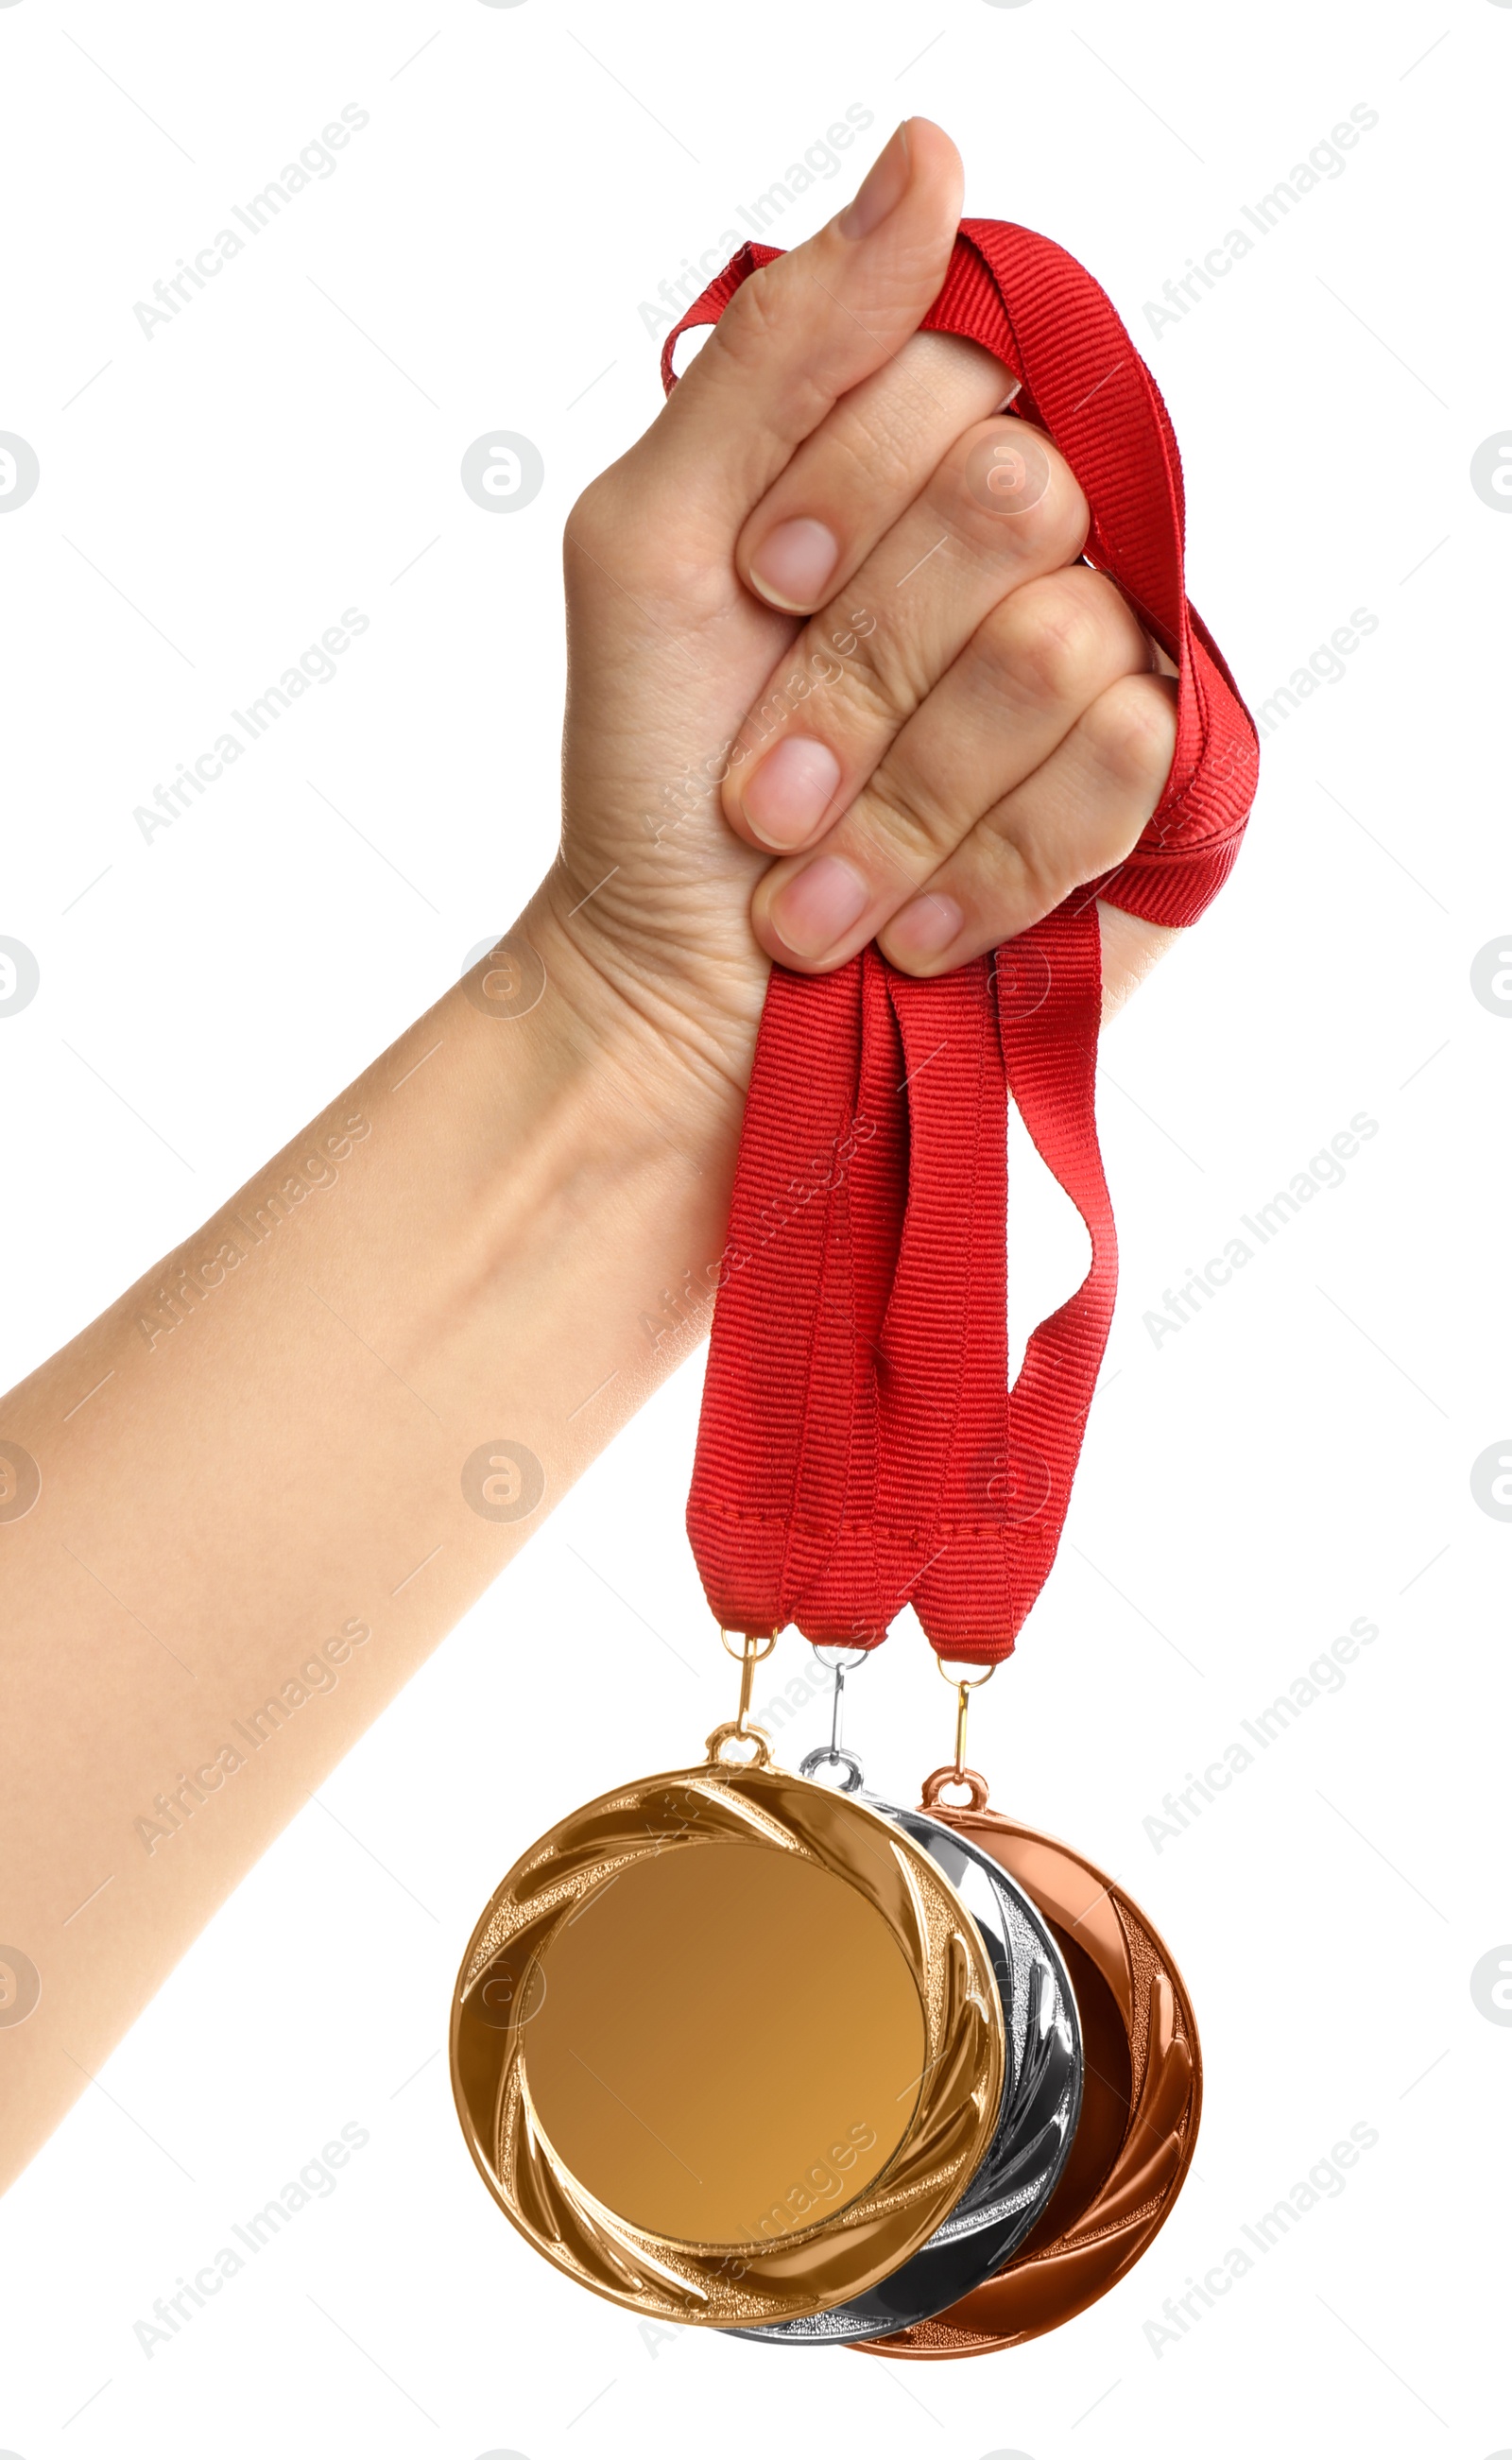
(1041, 2090)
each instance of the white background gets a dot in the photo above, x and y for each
(1295, 1457)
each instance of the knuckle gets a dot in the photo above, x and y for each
(762, 323)
(608, 529)
(1014, 883)
(1052, 637)
(875, 454)
(1132, 728)
(599, 512)
(619, 549)
(872, 672)
(753, 318)
(894, 678)
(814, 674)
(907, 826)
(1045, 525)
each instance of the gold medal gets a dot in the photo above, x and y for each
(726, 2045)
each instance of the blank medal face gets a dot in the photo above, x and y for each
(695, 2057)
(727, 2047)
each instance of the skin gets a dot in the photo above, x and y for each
(259, 1451)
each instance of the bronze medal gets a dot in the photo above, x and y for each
(1142, 2095)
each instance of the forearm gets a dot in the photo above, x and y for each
(252, 1525)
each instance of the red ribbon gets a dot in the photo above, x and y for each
(860, 1447)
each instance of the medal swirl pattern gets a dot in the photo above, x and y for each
(1141, 2108)
(1036, 2119)
(725, 2046)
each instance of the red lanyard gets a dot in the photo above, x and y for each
(860, 1446)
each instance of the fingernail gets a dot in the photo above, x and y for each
(811, 910)
(882, 188)
(925, 927)
(786, 798)
(792, 564)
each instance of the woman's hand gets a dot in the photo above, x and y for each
(836, 670)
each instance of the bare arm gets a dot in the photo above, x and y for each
(240, 1508)
(307, 1446)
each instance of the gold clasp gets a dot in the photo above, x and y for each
(963, 1686)
(755, 1645)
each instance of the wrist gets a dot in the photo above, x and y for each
(606, 1152)
(640, 1029)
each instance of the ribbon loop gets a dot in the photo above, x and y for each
(860, 1446)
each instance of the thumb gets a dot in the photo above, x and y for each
(803, 330)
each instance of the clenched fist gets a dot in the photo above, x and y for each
(837, 672)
